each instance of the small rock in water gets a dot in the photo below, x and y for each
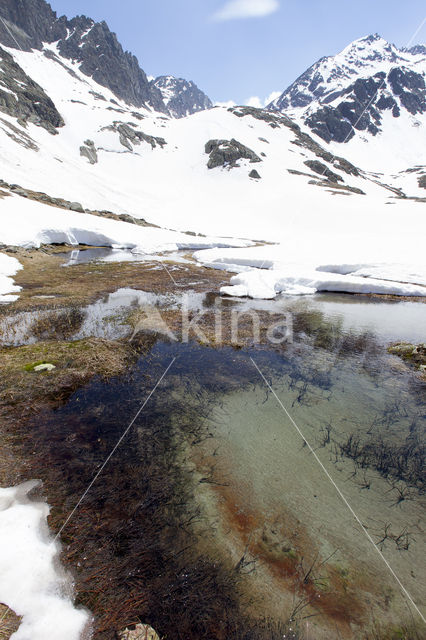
(45, 367)
(140, 632)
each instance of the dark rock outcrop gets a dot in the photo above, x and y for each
(29, 23)
(361, 105)
(329, 125)
(301, 139)
(323, 170)
(101, 56)
(275, 120)
(226, 153)
(182, 97)
(130, 136)
(23, 98)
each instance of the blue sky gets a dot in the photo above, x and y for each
(234, 49)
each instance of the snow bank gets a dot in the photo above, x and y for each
(31, 581)
(28, 223)
(267, 284)
(262, 273)
(8, 267)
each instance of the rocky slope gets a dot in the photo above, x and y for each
(29, 24)
(24, 99)
(356, 91)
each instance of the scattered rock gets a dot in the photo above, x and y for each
(39, 196)
(226, 153)
(414, 354)
(422, 181)
(44, 367)
(254, 174)
(140, 632)
(277, 120)
(88, 150)
(76, 206)
(323, 170)
(130, 136)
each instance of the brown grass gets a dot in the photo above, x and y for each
(80, 284)
(23, 389)
(9, 622)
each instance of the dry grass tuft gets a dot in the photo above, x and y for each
(76, 363)
(9, 622)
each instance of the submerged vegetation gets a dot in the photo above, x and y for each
(140, 546)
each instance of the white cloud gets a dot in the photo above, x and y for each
(272, 96)
(234, 9)
(229, 103)
(255, 101)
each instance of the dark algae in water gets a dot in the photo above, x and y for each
(211, 520)
(133, 541)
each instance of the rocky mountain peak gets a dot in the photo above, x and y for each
(352, 90)
(182, 97)
(29, 24)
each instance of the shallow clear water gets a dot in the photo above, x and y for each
(106, 254)
(217, 439)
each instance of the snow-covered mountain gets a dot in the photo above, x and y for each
(29, 24)
(78, 163)
(370, 89)
(181, 97)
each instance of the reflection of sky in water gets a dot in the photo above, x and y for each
(105, 254)
(386, 321)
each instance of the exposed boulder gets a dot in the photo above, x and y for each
(76, 206)
(422, 181)
(254, 174)
(88, 150)
(226, 153)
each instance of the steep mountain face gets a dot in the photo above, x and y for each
(355, 90)
(29, 24)
(24, 99)
(182, 97)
